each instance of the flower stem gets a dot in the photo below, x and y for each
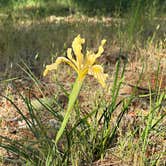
(72, 98)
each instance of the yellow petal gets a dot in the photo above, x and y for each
(82, 73)
(54, 66)
(97, 72)
(69, 55)
(48, 68)
(101, 49)
(77, 48)
(90, 58)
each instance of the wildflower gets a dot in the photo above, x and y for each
(83, 65)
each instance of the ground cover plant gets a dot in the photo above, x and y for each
(116, 117)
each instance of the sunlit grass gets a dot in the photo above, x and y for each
(107, 128)
(92, 133)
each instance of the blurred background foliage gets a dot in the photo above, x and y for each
(92, 7)
(26, 32)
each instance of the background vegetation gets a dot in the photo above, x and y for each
(88, 7)
(134, 21)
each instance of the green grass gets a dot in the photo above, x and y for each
(89, 137)
(92, 133)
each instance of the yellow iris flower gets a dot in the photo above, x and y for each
(83, 65)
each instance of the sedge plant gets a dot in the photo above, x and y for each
(83, 65)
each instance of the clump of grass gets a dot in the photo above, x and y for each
(89, 137)
(85, 138)
(141, 140)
